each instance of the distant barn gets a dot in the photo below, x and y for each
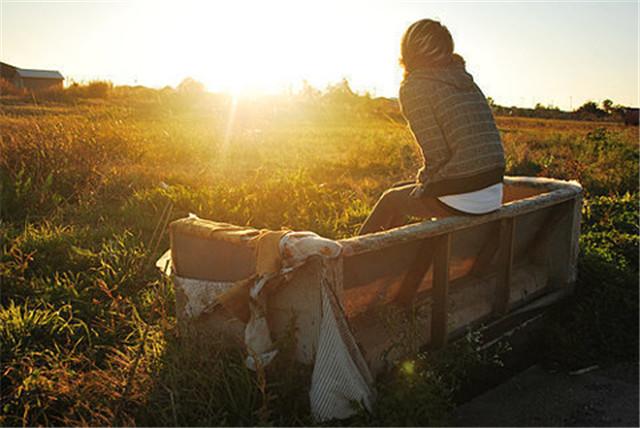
(34, 80)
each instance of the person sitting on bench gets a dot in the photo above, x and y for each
(452, 123)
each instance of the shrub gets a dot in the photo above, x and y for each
(93, 89)
(599, 324)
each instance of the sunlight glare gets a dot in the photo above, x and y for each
(229, 129)
(249, 47)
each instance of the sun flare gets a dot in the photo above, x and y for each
(268, 50)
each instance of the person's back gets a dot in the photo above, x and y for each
(453, 125)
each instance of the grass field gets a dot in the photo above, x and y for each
(87, 327)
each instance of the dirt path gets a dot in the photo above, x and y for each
(538, 397)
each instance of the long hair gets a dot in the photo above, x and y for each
(427, 43)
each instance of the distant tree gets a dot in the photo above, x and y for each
(618, 109)
(590, 110)
(588, 107)
(93, 89)
(618, 112)
(98, 89)
(343, 88)
(607, 106)
(340, 93)
(308, 91)
(191, 86)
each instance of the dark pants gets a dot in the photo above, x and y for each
(396, 204)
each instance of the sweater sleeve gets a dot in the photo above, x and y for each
(427, 131)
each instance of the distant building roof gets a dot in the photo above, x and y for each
(39, 74)
(7, 71)
(5, 65)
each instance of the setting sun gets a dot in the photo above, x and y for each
(255, 46)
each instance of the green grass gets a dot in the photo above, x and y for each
(87, 325)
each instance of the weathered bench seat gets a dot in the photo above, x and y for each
(456, 273)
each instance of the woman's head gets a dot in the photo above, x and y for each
(426, 43)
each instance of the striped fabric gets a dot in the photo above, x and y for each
(341, 376)
(455, 129)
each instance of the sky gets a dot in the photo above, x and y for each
(519, 52)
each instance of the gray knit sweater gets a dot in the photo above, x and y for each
(453, 124)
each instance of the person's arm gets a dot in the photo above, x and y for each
(426, 129)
